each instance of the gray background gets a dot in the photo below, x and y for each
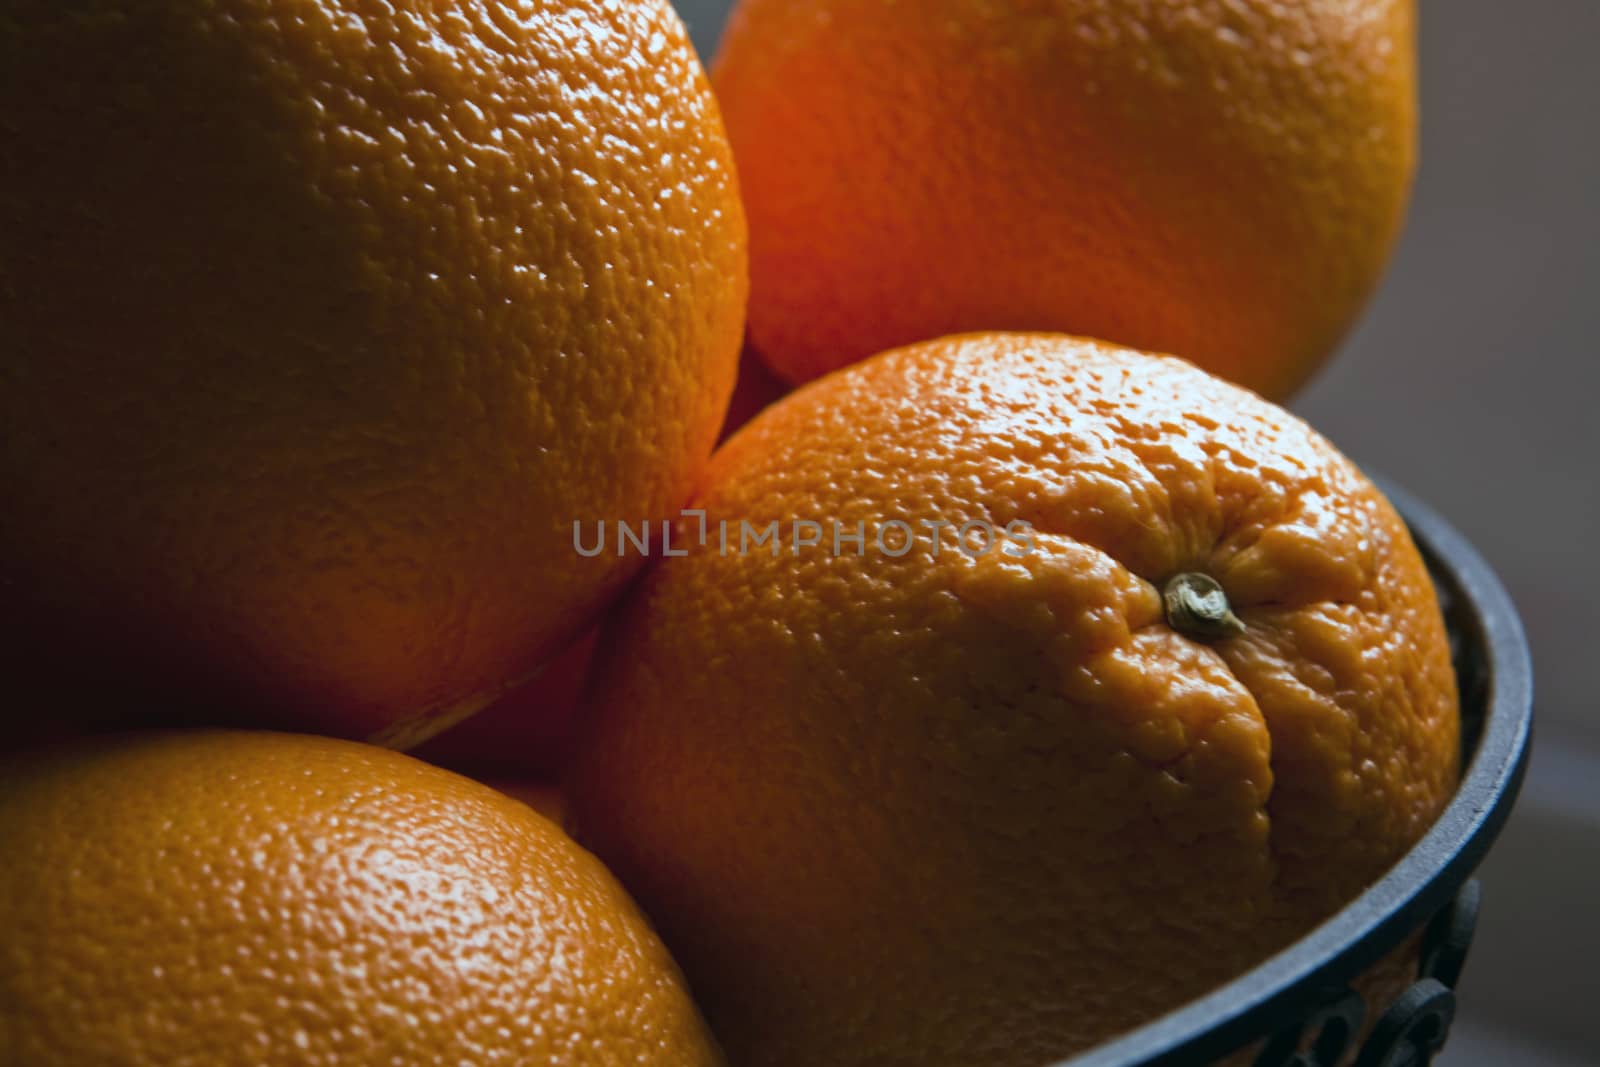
(1471, 381)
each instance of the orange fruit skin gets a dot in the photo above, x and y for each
(320, 324)
(1223, 181)
(191, 899)
(529, 731)
(755, 389)
(946, 810)
(541, 795)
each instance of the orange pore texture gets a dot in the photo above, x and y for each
(1223, 180)
(195, 899)
(321, 322)
(947, 810)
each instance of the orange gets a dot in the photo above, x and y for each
(528, 732)
(541, 795)
(322, 322)
(1219, 180)
(227, 897)
(753, 392)
(902, 803)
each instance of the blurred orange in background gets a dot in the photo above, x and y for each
(1219, 181)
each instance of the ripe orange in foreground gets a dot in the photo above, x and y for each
(322, 326)
(1223, 181)
(220, 897)
(938, 808)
